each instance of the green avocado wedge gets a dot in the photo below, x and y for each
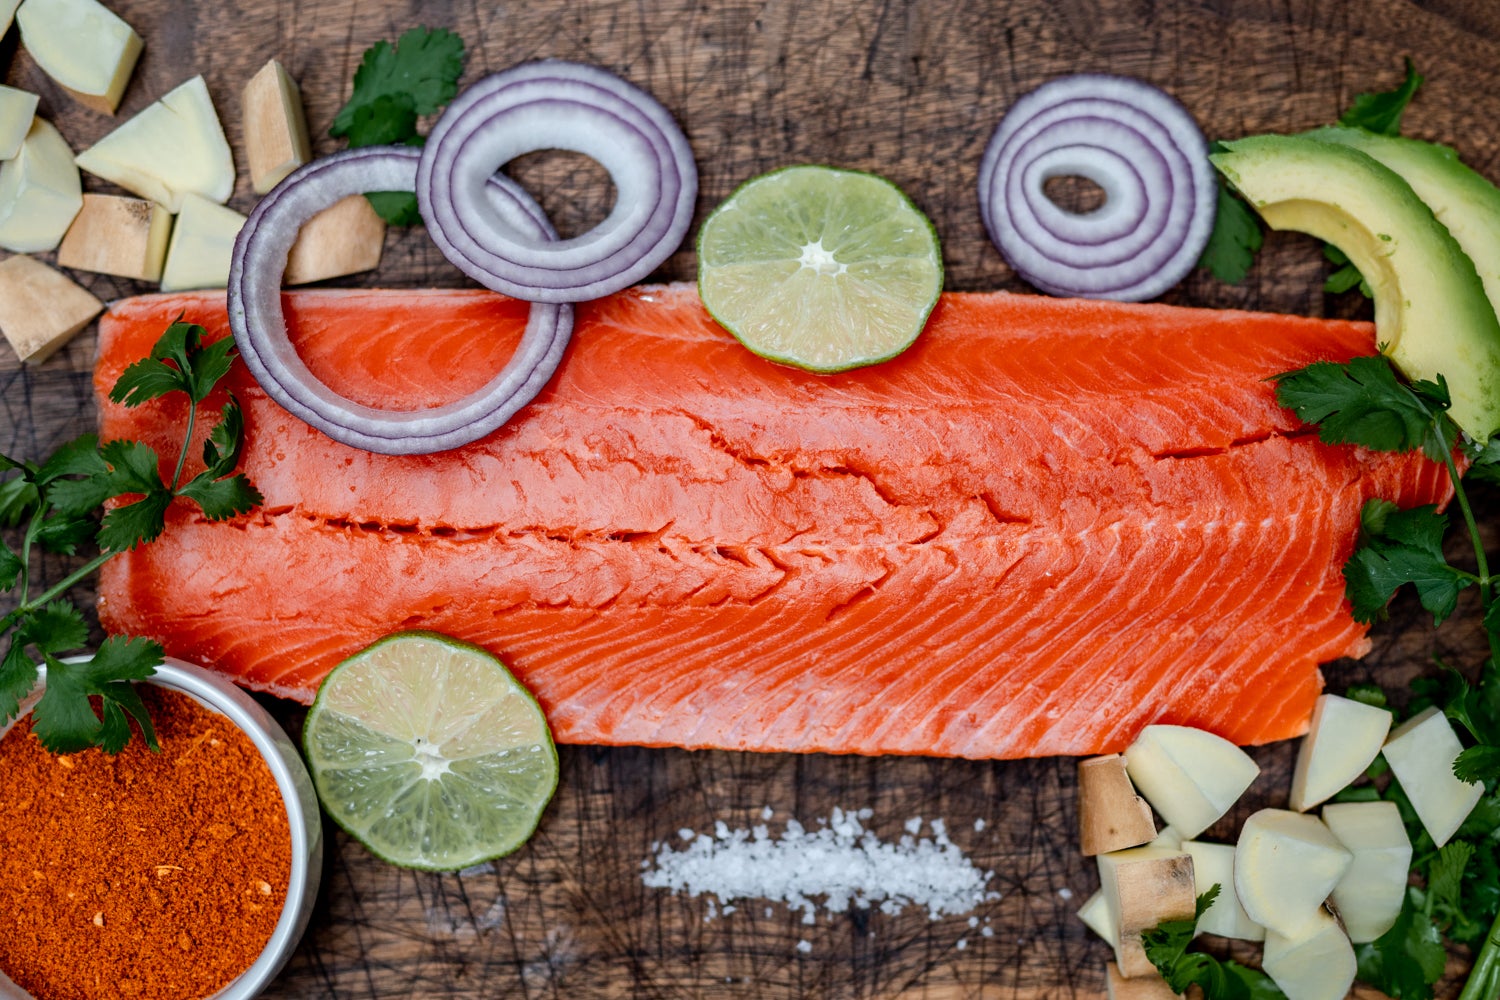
(1432, 314)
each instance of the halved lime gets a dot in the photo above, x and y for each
(430, 753)
(820, 268)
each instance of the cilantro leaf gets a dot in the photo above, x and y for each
(179, 362)
(221, 498)
(221, 449)
(1478, 763)
(1235, 240)
(388, 120)
(399, 208)
(1406, 960)
(424, 66)
(1363, 403)
(10, 566)
(18, 499)
(1166, 946)
(63, 533)
(1381, 112)
(54, 628)
(64, 720)
(133, 467)
(1346, 276)
(1367, 694)
(393, 87)
(1397, 547)
(143, 521)
(79, 457)
(17, 676)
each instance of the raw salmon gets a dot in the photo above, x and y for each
(1046, 525)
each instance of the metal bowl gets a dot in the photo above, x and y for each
(297, 795)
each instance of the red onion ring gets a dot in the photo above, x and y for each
(557, 105)
(259, 325)
(1138, 144)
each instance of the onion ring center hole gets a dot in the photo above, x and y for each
(574, 190)
(1078, 195)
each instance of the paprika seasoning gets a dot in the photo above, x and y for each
(157, 875)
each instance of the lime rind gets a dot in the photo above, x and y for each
(428, 752)
(820, 268)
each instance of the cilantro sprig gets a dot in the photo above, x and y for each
(1366, 403)
(393, 87)
(56, 499)
(1167, 948)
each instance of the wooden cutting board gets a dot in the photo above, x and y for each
(911, 91)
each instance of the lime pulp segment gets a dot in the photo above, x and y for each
(820, 268)
(430, 753)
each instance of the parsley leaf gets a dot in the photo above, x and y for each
(393, 87)
(1235, 240)
(1381, 112)
(1397, 547)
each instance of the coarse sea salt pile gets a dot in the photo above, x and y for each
(840, 861)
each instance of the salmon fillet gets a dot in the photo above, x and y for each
(1045, 526)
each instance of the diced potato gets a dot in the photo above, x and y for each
(1111, 817)
(1168, 837)
(1370, 894)
(17, 109)
(1344, 738)
(41, 308)
(1119, 986)
(1213, 864)
(276, 140)
(1421, 752)
(1095, 914)
(82, 45)
(345, 238)
(116, 235)
(7, 11)
(202, 245)
(1317, 963)
(40, 191)
(1143, 886)
(173, 148)
(1190, 776)
(1285, 865)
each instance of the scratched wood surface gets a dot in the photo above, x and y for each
(911, 90)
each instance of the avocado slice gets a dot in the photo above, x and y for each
(1432, 315)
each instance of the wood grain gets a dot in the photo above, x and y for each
(911, 90)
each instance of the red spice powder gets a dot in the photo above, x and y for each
(143, 874)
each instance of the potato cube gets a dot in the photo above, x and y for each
(116, 235)
(345, 238)
(276, 140)
(17, 109)
(84, 46)
(1111, 817)
(1421, 752)
(41, 308)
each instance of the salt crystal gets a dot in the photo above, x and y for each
(767, 812)
(987, 931)
(913, 825)
(979, 826)
(686, 834)
(804, 946)
(973, 921)
(962, 944)
(1065, 894)
(839, 861)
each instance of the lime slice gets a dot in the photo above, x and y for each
(820, 268)
(430, 753)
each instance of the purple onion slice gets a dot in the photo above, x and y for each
(557, 105)
(1141, 147)
(259, 325)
